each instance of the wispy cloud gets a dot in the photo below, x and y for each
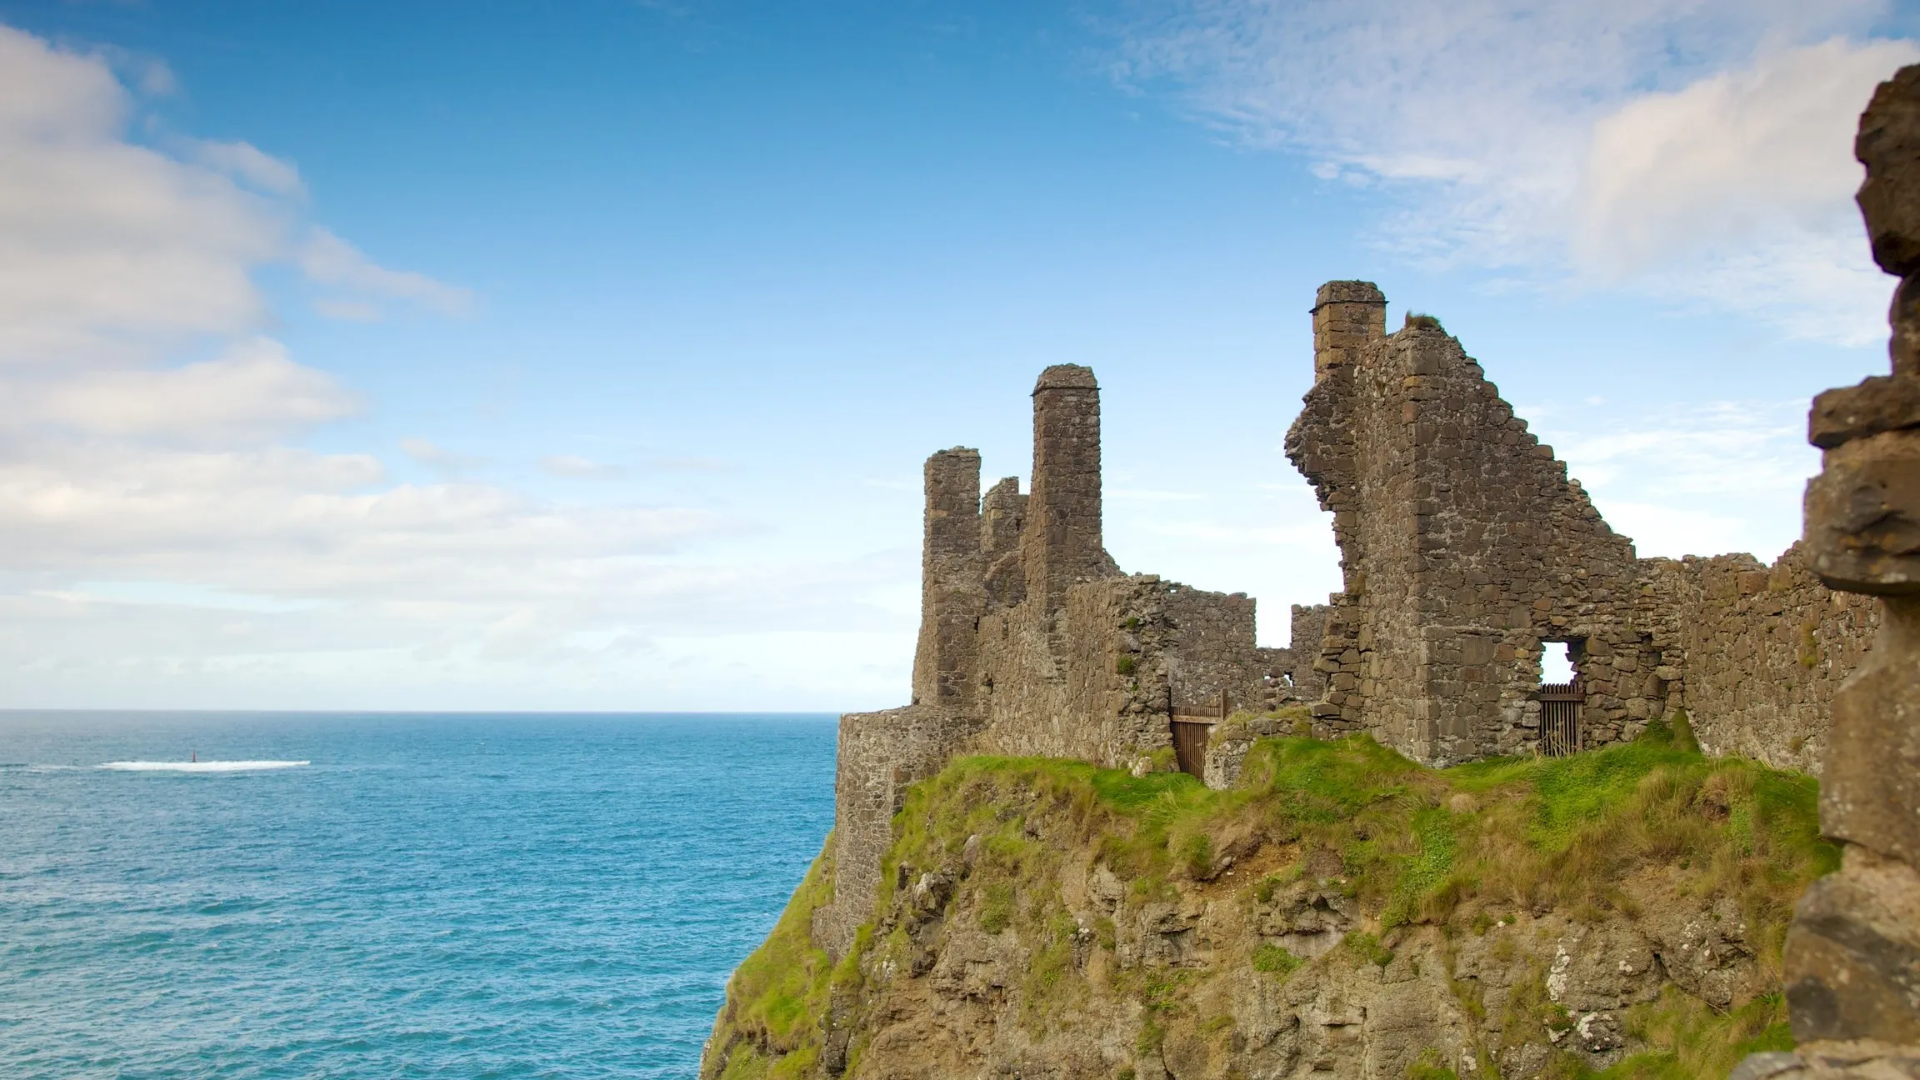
(433, 455)
(1256, 535)
(1692, 149)
(250, 164)
(329, 260)
(1703, 480)
(168, 536)
(253, 393)
(570, 465)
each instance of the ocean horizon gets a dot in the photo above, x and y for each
(390, 894)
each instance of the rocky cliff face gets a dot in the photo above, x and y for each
(1341, 913)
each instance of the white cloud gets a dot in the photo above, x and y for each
(1738, 189)
(347, 310)
(570, 465)
(107, 244)
(254, 393)
(1145, 495)
(114, 250)
(1724, 476)
(248, 163)
(429, 453)
(166, 540)
(1697, 149)
(330, 260)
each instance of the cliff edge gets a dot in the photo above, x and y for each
(1340, 912)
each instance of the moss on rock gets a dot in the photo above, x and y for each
(1095, 921)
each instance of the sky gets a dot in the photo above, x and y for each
(584, 356)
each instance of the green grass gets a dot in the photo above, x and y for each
(1429, 1067)
(1695, 1040)
(777, 995)
(1274, 960)
(996, 909)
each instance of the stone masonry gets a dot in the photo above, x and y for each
(1465, 548)
(1033, 642)
(1853, 952)
(1763, 649)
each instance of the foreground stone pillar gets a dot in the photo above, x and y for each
(1853, 952)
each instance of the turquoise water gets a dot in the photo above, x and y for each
(431, 896)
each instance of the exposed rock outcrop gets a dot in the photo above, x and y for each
(1344, 913)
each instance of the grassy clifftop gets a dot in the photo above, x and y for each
(1342, 911)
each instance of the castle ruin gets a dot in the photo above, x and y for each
(1465, 550)
(1032, 641)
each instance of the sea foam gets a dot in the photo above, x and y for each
(200, 766)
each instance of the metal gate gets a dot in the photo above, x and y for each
(1192, 726)
(1560, 718)
(1190, 744)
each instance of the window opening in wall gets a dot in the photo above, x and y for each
(1560, 696)
(1556, 662)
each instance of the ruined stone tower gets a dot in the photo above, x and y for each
(952, 589)
(1061, 544)
(1463, 546)
(1466, 549)
(1031, 640)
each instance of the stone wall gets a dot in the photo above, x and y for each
(1754, 653)
(1060, 541)
(1031, 640)
(1211, 648)
(1056, 684)
(1287, 676)
(1303, 647)
(1464, 547)
(880, 754)
(952, 588)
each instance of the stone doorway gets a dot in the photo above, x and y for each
(1192, 728)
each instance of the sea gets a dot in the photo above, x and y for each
(385, 896)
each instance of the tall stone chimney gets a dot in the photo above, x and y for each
(952, 591)
(1062, 541)
(1346, 315)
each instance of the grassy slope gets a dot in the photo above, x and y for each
(1453, 848)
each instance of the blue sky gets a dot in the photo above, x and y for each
(463, 356)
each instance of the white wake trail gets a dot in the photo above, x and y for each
(200, 766)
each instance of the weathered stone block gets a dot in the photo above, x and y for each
(1863, 515)
(1880, 403)
(1853, 954)
(1888, 144)
(1870, 791)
